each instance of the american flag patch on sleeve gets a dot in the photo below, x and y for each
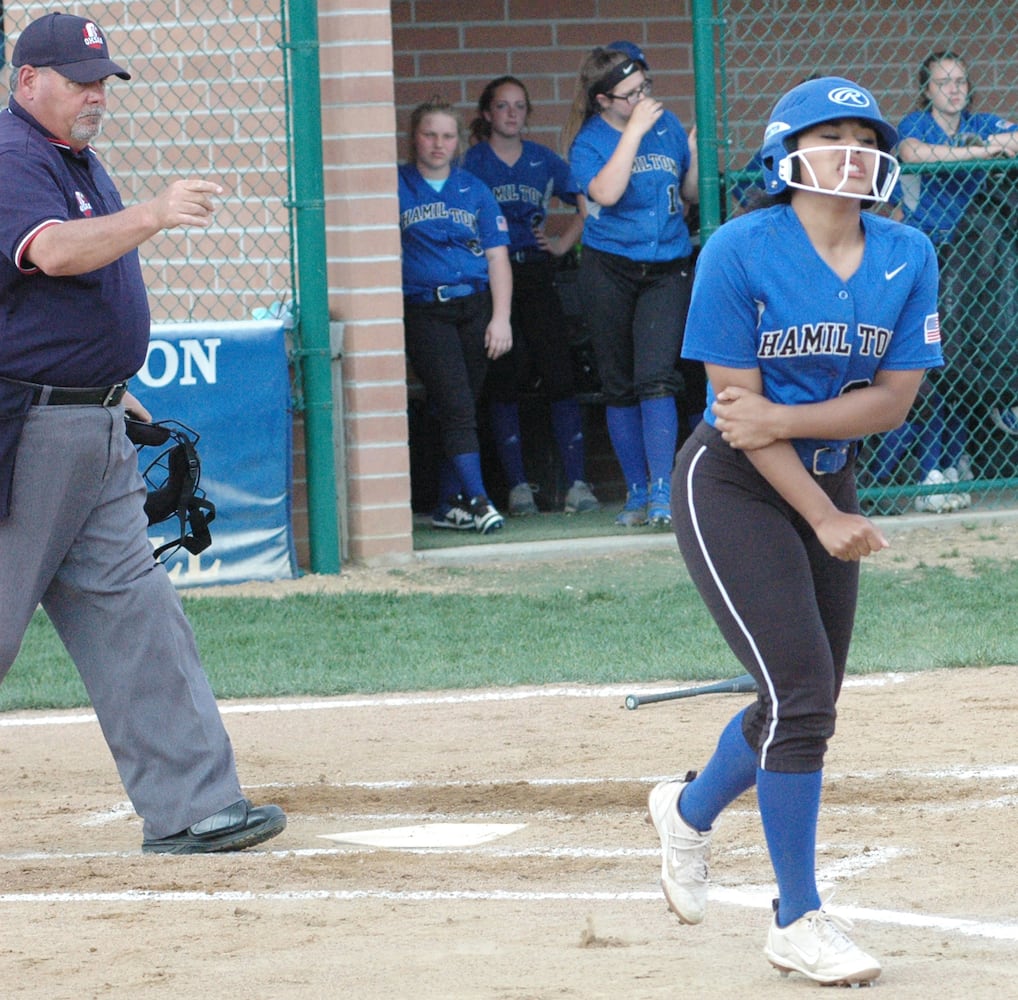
(931, 329)
(503, 227)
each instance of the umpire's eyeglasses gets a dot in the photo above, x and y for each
(634, 95)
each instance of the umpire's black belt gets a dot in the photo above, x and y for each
(445, 293)
(56, 395)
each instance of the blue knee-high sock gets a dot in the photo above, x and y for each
(660, 434)
(505, 419)
(789, 806)
(890, 451)
(625, 428)
(468, 468)
(448, 485)
(729, 772)
(567, 424)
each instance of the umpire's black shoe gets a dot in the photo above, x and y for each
(231, 829)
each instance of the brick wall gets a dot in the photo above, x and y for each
(454, 48)
(374, 70)
(365, 293)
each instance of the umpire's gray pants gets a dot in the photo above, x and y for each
(76, 543)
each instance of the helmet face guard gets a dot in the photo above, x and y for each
(172, 478)
(794, 168)
(814, 102)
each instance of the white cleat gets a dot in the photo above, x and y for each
(817, 946)
(685, 852)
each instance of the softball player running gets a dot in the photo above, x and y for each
(524, 176)
(457, 287)
(636, 167)
(817, 323)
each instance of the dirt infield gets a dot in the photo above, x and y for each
(917, 839)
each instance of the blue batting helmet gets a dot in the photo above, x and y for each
(812, 103)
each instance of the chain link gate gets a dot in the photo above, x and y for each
(960, 442)
(207, 98)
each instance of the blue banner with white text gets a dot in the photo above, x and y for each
(230, 383)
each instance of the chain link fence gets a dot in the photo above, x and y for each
(959, 447)
(207, 98)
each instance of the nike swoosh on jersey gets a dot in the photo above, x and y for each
(889, 275)
(535, 163)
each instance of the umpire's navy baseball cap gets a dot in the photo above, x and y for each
(73, 46)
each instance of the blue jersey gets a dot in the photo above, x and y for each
(445, 233)
(524, 189)
(646, 224)
(763, 298)
(941, 199)
(79, 330)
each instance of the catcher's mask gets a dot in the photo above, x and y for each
(172, 478)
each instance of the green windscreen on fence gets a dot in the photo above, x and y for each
(945, 75)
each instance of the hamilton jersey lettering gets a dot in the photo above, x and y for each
(653, 161)
(518, 192)
(823, 338)
(523, 189)
(437, 210)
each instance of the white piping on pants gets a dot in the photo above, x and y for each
(735, 615)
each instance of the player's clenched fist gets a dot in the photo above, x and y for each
(849, 537)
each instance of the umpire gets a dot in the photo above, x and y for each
(74, 327)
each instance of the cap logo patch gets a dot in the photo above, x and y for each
(848, 97)
(92, 37)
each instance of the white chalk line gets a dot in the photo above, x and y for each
(411, 701)
(756, 897)
(734, 897)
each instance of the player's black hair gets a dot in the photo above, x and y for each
(480, 127)
(926, 71)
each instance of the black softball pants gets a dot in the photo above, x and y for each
(445, 345)
(635, 314)
(783, 604)
(540, 335)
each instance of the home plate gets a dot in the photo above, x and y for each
(428, 835)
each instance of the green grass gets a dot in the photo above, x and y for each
(546, 527)
(629, 619)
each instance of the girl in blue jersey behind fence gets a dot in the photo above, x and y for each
(524, 176)
(457, 288)
(637, 169)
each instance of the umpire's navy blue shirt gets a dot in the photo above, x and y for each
(85, 330)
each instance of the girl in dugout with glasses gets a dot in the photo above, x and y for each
(637, 168)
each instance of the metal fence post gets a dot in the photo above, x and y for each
(706, 117)
(312, 283)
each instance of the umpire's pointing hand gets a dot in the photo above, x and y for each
(186, 203)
